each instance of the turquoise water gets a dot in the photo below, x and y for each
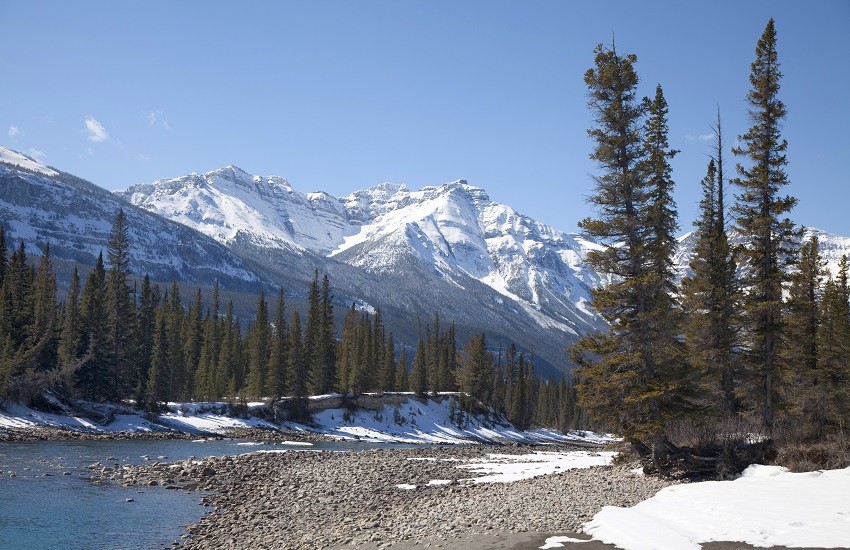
(42, 508)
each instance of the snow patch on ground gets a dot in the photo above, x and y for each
(504, 468)
(766, 506)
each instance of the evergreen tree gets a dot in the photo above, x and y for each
(328, 339)
(279, 359)
(192, 344)
(661, 207)
(418, 379)
(259, 350)
(474, 374)
(768, 238)
(174, 331)
(228, 378)
(388, 369)
(207, 382)
(158, 387)
(120, 309)
(833, 347)
(145, 327)
(93, 377)
(71, 338)
(297, 357)
(710, 294)
(43, 335)
(347, 355)
(803, 320)
(402, 377)
(628, 376)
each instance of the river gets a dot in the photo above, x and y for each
(48, 501)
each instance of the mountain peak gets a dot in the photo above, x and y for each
(460, 186)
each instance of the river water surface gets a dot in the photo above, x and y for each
(48, 501)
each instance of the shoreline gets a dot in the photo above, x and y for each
(337, 499)
(41, 433)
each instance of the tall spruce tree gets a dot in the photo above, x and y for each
(93, 377)
(71, 337)
(259, 350)
(279, 358)
(626, 376)
(402, 376)
(709, 295)
(418, 379)
(801, 350)
(120, 308)
(834, 350)
(768, 237)
(192, 344)
(145, 327)
(297, 357)
(474, 374)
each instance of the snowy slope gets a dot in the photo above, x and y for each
(228, 202)
(40, 205)
(8, 156)
(453, 231)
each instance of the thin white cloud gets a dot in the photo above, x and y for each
(142, 157)
(13, 131)
(705, 137)
(36, 154)
(689, 137)
(97, 132)
(158, 116)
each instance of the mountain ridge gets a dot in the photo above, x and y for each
(446, 249)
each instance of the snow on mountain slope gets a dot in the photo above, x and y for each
(228, 202)
(15, 158)
(454, 231)
(40, 205)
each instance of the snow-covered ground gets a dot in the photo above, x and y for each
(766, 506)
(506, 468)
(411, 420)
(415, 421)
(499, 468)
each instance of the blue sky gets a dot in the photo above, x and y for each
(339, 96)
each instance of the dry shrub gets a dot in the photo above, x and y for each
(809, 457)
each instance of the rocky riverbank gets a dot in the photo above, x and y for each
(329, 499)
(40, 433)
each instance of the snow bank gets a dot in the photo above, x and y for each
(766, 506)
(392, 418)
(415, 420)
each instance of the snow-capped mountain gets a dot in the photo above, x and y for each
(39, 204)
(446, 249)
(453, 231)
(228, 203)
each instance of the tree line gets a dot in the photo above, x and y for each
(757, 337)
(114, 339)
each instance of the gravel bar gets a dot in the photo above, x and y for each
(308, 499)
